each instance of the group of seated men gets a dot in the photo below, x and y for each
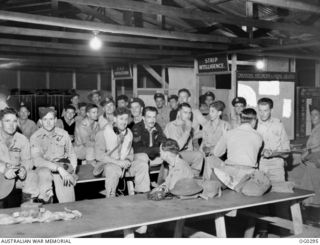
(128, 137)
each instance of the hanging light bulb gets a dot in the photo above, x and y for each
(260, 64)
(95, 42)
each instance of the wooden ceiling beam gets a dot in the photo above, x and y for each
(291, 4)
(195, 14)
(109, 28)
(109, 38)
(85, 48)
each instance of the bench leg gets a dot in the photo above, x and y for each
(296, 217)
(249, 232)
(128, 233)
(220, 226)
(179, 228)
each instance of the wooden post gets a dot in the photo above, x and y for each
(163, 77)
(144, 81)
(113, 85)
(123, 88)
(178, 230)
(196, 83)
(296, 217)
(233, 91)
(74, 80)
(135, 80)
(18, 79)
(47, 80)
(128, 233)
(99, 81)
(220, 226)
(317, 75)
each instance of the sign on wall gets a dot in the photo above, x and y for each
(266, 76)
(215, 63)
(122, 71)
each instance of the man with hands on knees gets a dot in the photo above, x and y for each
(114, 155)
(55, 160)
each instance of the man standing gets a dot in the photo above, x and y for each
(136, 107)
(54, 158)
(163, 110)
(147, 137)
(15, 159)
(173, 102)
(276, 142)
(114, 154)
(85, 135)
(27, 126)
(239, 103)
(181, 131)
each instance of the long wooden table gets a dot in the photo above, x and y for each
(129, 212)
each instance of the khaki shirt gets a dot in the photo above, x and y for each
(85, 133)
(212, 133)
(163, 116)
(235, 122)
(243, 145)
(174, 130)
(107, 140)
(49, 147)
(28, 127)
(313, 141)
(179, 171)
(17, 154)
(104, 121)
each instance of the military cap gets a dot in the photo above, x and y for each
(92, 92)
(137, 100)
(158, 95)
(186, 187)
(173, 96)
(239, 100)
(43, 111)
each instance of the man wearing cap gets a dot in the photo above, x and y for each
(94, 97)
(163, 110)
(239, 103)
(85, 135)
(114, 153)
(27, 126)
(107, 116)
(15, 160)
(122, 101)
(276, 142)
(136, 107)
(181, 130)
(53, 155)
(58, 124)
(147, 137)
(239, 171)
(173, 102)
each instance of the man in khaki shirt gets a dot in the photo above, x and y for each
(27, 126)
(163, 116)
(85, 134)
(181, 130)
(50, 146)
(15, 160)
(276, 142)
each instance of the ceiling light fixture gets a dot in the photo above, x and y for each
(95, 42)
(260, 64)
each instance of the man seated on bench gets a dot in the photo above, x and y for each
(85, 134)
(113, 148)
(239, 172)
(55, 160)
(147, 138)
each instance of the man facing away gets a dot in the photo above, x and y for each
(54, 158)
(113, 147)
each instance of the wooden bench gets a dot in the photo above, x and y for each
(129, 212)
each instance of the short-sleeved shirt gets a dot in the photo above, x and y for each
(85, 133)
(52, 146)
(313, 142)
(174, 130)
(17, 153)
(212, 133)
(177, 172)
(243, 145)
(163, 116)
(107, 140)
(28, 127)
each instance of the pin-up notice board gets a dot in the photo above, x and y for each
(278, 86)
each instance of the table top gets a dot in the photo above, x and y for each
(105, 215)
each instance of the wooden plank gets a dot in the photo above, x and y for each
(135, 211)
(102, 27)
(154, 74)
(220, 226)
(296, 217)
(291, 4)
(108, 38)
(195, 14)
